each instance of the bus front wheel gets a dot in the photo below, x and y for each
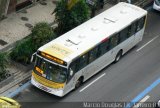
(79, 83)
(118, 56)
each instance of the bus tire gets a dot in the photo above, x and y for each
(79, 82)
(118, 56)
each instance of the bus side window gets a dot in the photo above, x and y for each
(129, 31)
(133, 28)
(71, 70)
(83, 61)
(114, 41)
(140, 23)
(143, 21)
(93, 54)
(103, 48)
(72, 67)
(123, 34)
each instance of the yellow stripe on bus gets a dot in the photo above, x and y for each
(58, 51)
(46, 82)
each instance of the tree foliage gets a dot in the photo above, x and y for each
(68, 18)
(3, 66)
(23, 51)
(41, 34)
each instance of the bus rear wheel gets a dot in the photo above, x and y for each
(118, 56)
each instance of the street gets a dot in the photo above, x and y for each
(120, 82)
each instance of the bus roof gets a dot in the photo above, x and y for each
(84, 37)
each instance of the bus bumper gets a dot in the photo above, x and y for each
(57, 92)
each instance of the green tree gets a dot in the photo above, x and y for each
(41, 34)
(69, 15)
(23, 51)
(3, 66)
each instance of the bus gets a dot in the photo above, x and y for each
(66, 62)
(156, 5)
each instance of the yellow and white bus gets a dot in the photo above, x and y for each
(66, 62)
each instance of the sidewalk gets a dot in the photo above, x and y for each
(13, 29)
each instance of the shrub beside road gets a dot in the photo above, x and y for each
(3, 66)
(41, 34)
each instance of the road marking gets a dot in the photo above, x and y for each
(143, 93)
(142, 101)
(147, 43)
(145, 99)
(92, 82)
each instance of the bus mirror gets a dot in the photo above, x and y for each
(71, 72)
(33, 57)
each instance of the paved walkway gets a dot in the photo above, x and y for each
(13, 27)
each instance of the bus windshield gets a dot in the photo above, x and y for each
(50, 71)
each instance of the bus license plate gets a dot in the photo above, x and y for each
(44, 88)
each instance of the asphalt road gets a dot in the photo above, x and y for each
(120, 82)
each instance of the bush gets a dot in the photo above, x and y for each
(41, 34)
(23, 51)
(3, 66)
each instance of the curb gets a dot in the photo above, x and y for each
(18, 90)
(12, 85)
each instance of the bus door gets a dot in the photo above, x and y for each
(103, 54)
(113, 46)
(72, 76)
(91, 57)
(127, 37)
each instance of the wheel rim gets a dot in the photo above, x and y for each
(78, 83)
(118, 57)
